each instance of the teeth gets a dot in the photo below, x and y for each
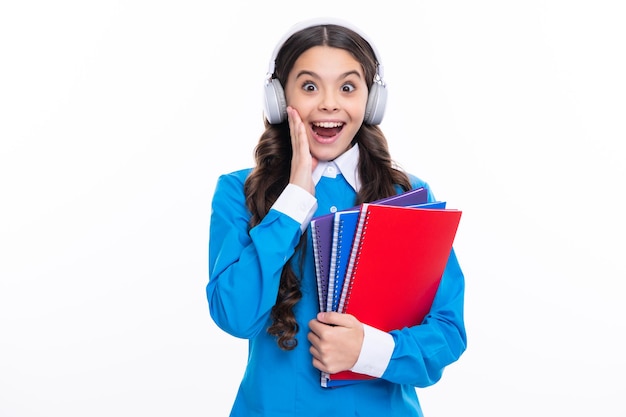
(328, 125)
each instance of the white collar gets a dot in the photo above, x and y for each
(345, 164)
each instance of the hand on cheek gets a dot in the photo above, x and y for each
(302, 163)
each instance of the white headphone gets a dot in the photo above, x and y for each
(275, 102)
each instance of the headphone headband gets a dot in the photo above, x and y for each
(319, 21)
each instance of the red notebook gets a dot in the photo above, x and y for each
(396, 263)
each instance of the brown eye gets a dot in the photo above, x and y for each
(347, 88)
(308, 86)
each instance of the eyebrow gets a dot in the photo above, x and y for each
(314, 75)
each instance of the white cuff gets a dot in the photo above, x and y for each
(296, 203)
(375, 353)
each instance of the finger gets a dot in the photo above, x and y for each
(318, 359)
(313, 338)
(317, 328)
(337, 319)
(291, 117)
(300, 138)
(296, 127)
(319, 365)
(314, 351)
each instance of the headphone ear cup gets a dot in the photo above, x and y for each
(275, 102)
(376, 103)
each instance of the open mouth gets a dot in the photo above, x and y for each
(327, 129)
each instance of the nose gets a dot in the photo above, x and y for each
(329, 102)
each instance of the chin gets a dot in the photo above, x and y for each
(325, 153)
(325, 156)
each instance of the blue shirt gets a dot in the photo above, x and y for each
(245, 267)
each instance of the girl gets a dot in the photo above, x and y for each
(322, 151)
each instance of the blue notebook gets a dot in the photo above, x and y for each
(344, 226)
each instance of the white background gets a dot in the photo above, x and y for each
(117, 117)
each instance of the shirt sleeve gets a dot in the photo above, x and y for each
(245, 264)
(375, 353)
(298, 204)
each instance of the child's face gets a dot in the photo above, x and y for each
(327, 87)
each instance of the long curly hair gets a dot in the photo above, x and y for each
(379, 174)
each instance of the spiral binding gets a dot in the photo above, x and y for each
(332, 273)
(319, 270)
(354, 258)
(336, 292)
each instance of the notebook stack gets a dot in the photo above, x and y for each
(382, 262)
